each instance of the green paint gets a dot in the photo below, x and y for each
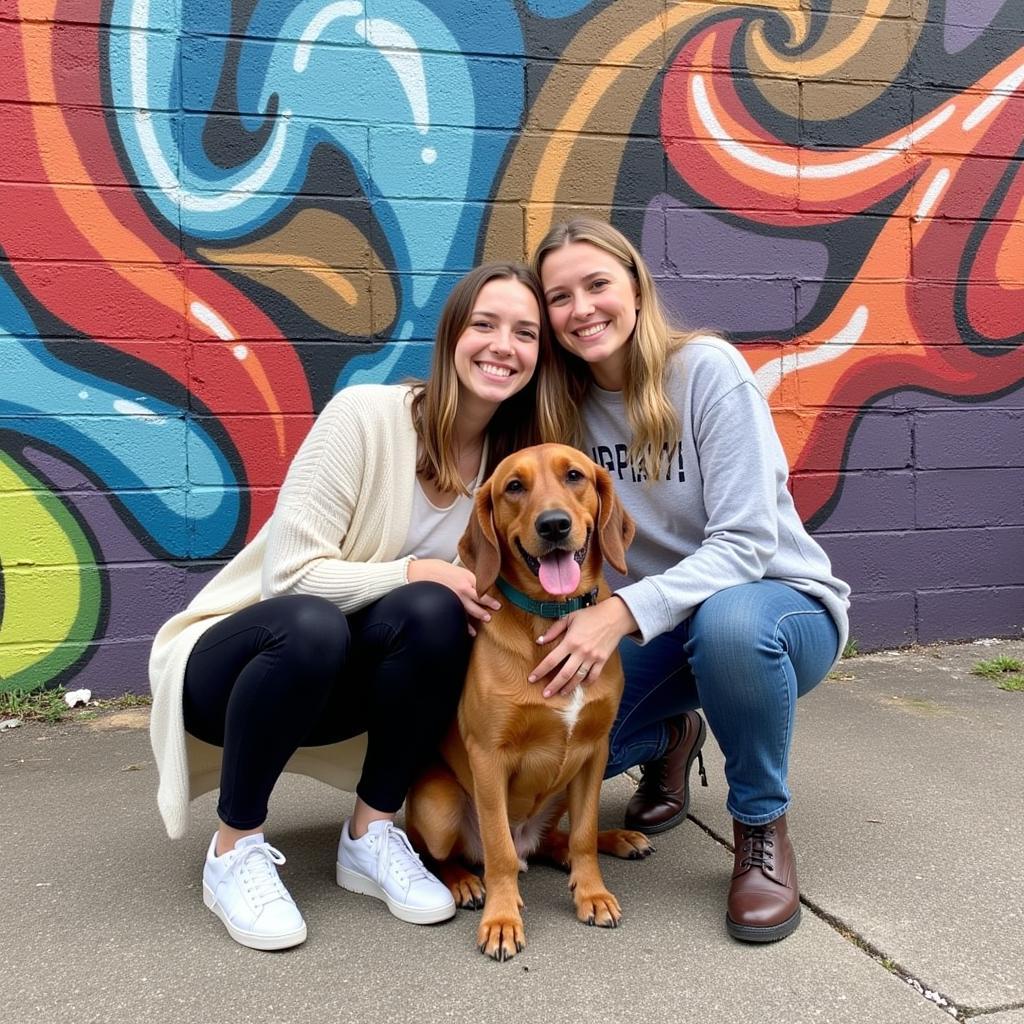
(51, 583)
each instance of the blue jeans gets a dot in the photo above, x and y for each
(744, 656)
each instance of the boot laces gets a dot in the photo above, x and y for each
(651, 775)
(758, 846)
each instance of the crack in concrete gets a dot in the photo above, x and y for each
(972, 1012)
(893, 966)
(934, 996)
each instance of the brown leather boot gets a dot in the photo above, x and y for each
(663, 796)
(764, 901)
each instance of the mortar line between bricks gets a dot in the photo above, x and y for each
(894, 967)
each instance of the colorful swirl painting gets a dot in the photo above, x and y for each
(217, 214)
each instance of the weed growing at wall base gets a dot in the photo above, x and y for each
(1007, 672)
(50, 706)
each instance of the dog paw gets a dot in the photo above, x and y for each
(501, 938)
(600, 908)
(468, 892)
(625, 843)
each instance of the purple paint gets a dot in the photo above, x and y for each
(725, 277)
(912, 560)
(969, 497)
(968, 438)
(875, 500)
(726, 306)
(141, 594)
(883, 620)
(881, 440)
(966, 20)
(116, 543)
(965, 614)
(142, 598)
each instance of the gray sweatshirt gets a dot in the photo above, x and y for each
(721, 514)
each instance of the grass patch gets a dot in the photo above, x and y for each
(851, 650)
(1006, 672)
(994, 668)
(50, 706)
(33, 705)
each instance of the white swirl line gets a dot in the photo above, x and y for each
(771, 375)
(315, 29)
(167, 180)
(1000, 94)
(407, 63)
(211, 321)
(932, 193)
(781, 169)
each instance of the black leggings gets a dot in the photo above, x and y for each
(295, 671)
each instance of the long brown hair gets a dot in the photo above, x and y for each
(652, 418)
(528, 417)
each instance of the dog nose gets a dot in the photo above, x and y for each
(554, 524)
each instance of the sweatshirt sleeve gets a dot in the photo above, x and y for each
(742, 466)
(324, 492)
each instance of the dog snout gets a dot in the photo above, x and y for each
(553, 525)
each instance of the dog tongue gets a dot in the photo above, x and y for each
(559, 573)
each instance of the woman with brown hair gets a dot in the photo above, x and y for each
(734, 605)
(345, 616)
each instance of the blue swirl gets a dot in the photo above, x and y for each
(133, 444)
(440, 123)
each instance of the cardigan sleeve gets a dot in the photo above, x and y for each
(340, 485)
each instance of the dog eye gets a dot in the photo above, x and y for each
(514, 487)
(574, 476)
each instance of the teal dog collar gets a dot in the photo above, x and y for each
(546, 609)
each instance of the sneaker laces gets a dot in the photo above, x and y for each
(395, 850)
(257, 870)
(758, 843)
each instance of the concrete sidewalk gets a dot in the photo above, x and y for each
(908, 778)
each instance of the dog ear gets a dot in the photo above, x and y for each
(615, 526)
(478, 547)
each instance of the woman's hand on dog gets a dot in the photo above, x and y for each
(589, 638)
(458, 579)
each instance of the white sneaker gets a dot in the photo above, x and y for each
(384, 865)
(242, 888)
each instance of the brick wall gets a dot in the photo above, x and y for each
(215, 215)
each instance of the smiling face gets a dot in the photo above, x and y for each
(547, 500)
(545, 521)
(592, 302)
(497, 351)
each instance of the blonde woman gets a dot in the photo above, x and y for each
(734, 605)
(345, 615)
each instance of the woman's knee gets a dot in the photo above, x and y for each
(735, 623)
(433, 614)
(747, 630)
(314, 633)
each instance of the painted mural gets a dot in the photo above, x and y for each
(216, 214)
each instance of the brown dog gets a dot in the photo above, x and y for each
(514, 760)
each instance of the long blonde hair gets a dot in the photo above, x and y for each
(528, 417)
(653, 420)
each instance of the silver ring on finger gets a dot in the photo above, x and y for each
(583, 670)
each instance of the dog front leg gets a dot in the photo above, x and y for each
(594, 903)
(500, 934)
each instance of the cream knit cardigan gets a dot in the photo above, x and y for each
(341, 518)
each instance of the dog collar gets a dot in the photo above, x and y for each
(546, 609)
